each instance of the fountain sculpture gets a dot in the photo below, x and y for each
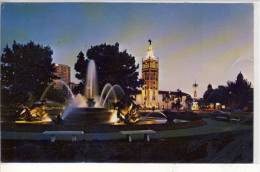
(91, 108)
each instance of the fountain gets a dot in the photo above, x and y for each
(57, 81)
(91, 108)
(110, 107)
(91, 85)
(38, 112)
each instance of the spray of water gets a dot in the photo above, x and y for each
(104, 92)
(108, 92)
(112, 92)
(91, 85)
(57, 82)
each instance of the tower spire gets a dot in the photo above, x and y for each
(150, 50)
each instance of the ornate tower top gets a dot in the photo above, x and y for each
(150, 51)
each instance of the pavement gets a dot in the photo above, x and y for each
(212, 127)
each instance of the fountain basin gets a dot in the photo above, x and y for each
(88, 116)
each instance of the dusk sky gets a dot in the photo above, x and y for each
(209, 43)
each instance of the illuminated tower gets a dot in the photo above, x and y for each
(150, 73)
(195, 104)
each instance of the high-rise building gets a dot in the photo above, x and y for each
(150, 75)
(63, 72)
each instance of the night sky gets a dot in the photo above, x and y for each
(209, 43)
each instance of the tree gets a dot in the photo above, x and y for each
(80, 67)
(207, 93)
(113, 67)
(218, 95)
(178, 104)
(179, 94)
(188, 101)
(241, 92)
(238, 94)
(26, 71)
(59, 95)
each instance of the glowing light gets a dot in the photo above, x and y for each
(38, 112)
(218, 105)
(113, 118)
(195, 106)
(44, 121)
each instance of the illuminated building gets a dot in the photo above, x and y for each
(63, 72)
(150, 96)
(150, 73)
(195, 103)
(169, 99)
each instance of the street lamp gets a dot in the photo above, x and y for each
(230, 101)
(195, 85)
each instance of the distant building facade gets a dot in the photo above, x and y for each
(175, 100)
(63, 72)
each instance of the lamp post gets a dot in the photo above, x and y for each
(195, 85)
(230, 101)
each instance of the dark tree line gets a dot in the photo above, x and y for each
(26, 70)
(237, 94)
(113, 66)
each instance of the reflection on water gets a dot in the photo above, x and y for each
(179, 121)
(46, 120)
(152, 120)
(113, 117)
(32, 122)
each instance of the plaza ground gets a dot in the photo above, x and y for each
(235, 147)
(203, 141)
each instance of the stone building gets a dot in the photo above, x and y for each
(63, 72)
